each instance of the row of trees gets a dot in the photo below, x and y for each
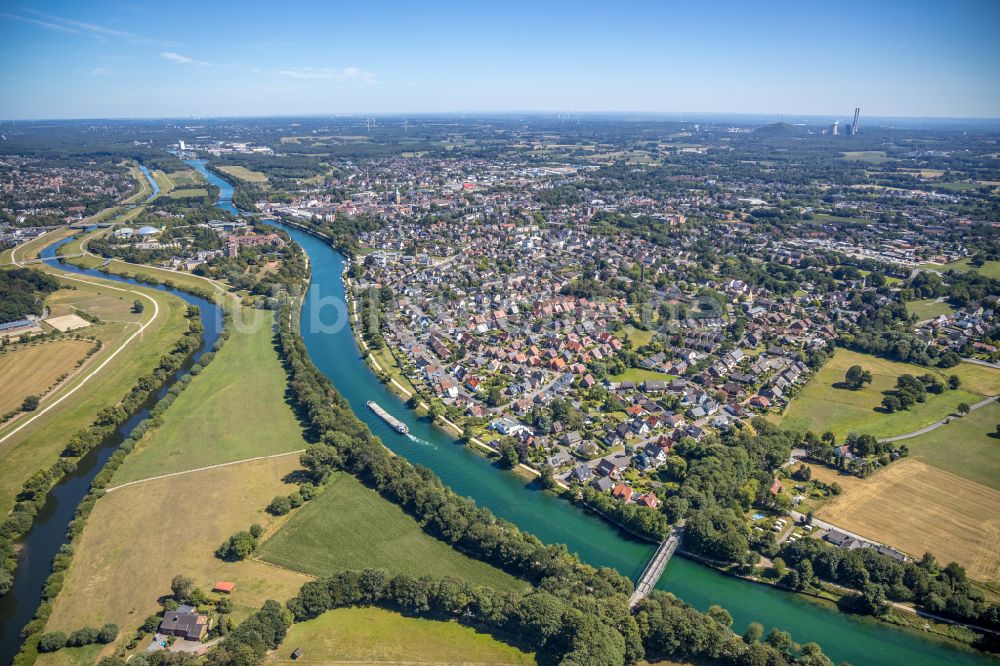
(53, 585)
(57, 640)
(559, 630)
(879, 578)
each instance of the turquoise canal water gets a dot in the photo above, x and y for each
(333, 349)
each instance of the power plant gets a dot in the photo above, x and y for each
(854, 125)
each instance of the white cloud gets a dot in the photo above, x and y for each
(183, 59)
(345, 74)
(99, 31)
(44, 24)
(100, 71)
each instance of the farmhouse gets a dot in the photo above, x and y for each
(185, 623)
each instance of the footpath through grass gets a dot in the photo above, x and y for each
(235, 409)
(823, 405)
(365, 635)
(350, 526)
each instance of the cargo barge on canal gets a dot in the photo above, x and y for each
(396, 424)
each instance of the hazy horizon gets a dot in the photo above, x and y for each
(109, 60)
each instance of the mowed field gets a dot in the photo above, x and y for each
(188, 192)
(39, 443)
(139, 537)
(350, 526)
(244, 173)
(234, 410)
(928, 308)
(965, 447)
(822, 405)
(33, 369)
(367, 635)
(920, 508)
(641, 375)
(989, 269)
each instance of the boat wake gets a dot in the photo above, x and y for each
(417, 440)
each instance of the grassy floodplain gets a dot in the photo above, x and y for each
(822, 405)
(234, 410)
(189, 192)
(144, 188)
(39, 443)
(367, 635)
(117, 267)
(243, 173)
(350, 526)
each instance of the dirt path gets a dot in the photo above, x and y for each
(202, 469)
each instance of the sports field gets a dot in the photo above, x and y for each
(244, 173)
(34, 368)
(227, 413)
(139, 537)
(350, 526)
(823, 405)
(918, 508)
(368, 635)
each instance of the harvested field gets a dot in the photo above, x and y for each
(917, 508)
(138, 538)
(34, 369)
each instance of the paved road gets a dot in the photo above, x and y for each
(987, 364)
(935, 426)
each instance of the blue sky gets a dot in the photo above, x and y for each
(210, 58)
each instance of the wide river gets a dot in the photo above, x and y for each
(334, 350)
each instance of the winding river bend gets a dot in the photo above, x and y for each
(333, 349)
(48, 533)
